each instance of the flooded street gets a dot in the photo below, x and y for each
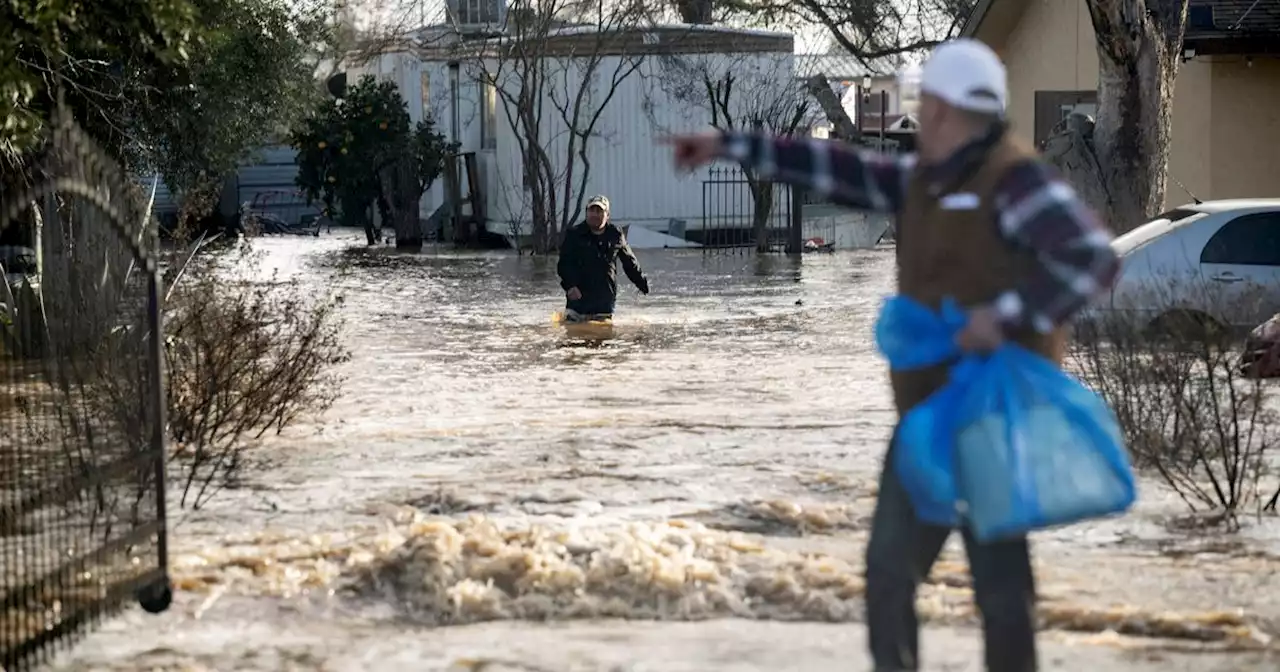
(714, 461)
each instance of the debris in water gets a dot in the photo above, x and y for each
(776, 517)
(1213, 626)
(447, 571)
(474, 570)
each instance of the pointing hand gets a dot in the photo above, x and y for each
(694, 150)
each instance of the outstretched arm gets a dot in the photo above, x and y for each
(1040, 211)
(631, 266)
(836, 170)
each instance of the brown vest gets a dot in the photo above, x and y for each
(961, 254)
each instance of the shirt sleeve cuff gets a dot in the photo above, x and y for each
(1011, 310)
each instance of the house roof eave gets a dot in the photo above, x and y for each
(1227, 44)
(993, 21)
(976, 17)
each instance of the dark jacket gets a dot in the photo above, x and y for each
(588, 261)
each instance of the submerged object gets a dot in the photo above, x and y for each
(584, 326)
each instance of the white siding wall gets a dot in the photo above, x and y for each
(268, 183)
(400, 68)
(409, 74)
(626, 163)
(165, 202)
(438, 104)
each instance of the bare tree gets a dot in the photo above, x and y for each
(1192, 405)
(824, 93)
(707, 12)
(739, 92)
(555, 71)
(867, 29)
(1120, 162)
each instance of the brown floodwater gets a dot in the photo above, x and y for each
(708, 471)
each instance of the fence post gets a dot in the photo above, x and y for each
(795, 228)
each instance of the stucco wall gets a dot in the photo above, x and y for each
(1226, 114)
(1245, 135)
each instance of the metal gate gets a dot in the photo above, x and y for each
(729, 213)
(280, 212)
(82, 445)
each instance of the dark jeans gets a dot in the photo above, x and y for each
(899, 555)
(591, 305)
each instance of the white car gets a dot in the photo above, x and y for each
(1214, 263)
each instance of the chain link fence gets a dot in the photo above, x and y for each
(82, 444)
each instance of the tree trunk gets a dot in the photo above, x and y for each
(372, 227)
(1120, 163)
(401, 192)
(1071, 149)
(820, 88)
(384, 210)
(762, 208)
(542, 197)
(540, 238)
(356, 215)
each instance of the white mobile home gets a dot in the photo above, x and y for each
(631, 98)
(626, 163)
(642, 84)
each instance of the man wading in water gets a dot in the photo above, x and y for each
(587, 267)
(981, 219)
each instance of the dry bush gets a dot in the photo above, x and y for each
(1190, 409)
(243, 359)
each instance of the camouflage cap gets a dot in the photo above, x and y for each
(599, 200)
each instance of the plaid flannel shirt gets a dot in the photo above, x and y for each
(1036, 209)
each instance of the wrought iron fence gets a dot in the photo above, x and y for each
(732, 206)
(82, 447)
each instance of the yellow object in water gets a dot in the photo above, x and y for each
(589, 328)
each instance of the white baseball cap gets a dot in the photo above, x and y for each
(966, 74)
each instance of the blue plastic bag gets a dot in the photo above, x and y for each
(911, 336)
(1034, 448)
(1022, 444)
(924, 454)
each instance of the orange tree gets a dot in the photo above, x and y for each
(348, 144)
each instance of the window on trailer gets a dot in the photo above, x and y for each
(426, 95)
(489, 117)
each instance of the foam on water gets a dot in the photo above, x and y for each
(440, 571)
(717, 457)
